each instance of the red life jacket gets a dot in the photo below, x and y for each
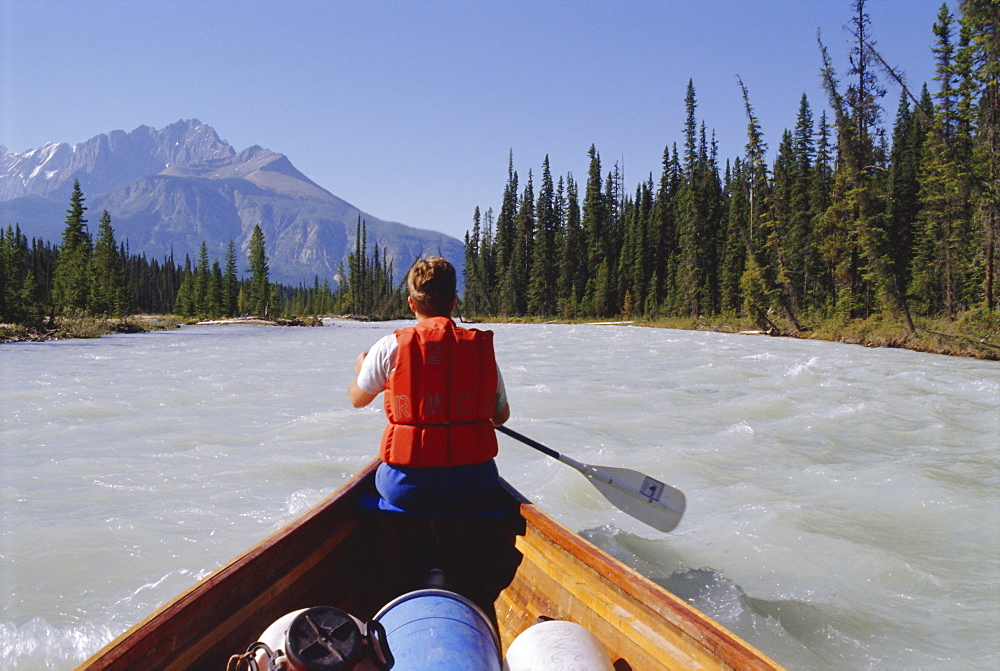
(440, 397)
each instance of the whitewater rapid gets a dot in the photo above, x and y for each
(841, 500)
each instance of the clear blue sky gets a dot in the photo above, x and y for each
(408, 109)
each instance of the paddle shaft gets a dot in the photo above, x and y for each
(586, 469)
(528, 441)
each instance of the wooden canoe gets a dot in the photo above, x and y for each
(517, 569)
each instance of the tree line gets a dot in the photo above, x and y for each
(369, 287)
(84, 277)
(846, 222)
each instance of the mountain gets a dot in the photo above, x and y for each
(168, 190)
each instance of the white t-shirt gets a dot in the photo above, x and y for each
(381, 361)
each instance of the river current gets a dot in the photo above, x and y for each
(842, 501)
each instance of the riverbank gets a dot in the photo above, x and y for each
(65, 328)
(974, 334)
(974, 338)
(305, 321)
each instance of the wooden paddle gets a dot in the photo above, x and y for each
(644, 498)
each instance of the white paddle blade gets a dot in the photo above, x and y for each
(657, 504)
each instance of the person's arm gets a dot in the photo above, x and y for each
(501, 416)
(501, 411)
(358, 397)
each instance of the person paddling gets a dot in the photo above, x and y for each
(443, 397)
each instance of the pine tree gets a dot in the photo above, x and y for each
(595, 213)
(18, 302)
(259, 294)
(688, 215)
(821, 291)
(803, 264)
(487, 264)
(664, 239)
(506, 228)
(765, 281)
(942, 264)
(980, 19)
(519, 271)
(784, 219)
(595, 230)
(636, 267)
(855, 240)
(473, 299)
(734, 254)
(213, 292)
(902, 191)
(71, 283)
(368, 289)
(573, 255)
(202, 281)
(107, 289)
(544, 271)
(713, 208)
(230, 283)
(184, 303)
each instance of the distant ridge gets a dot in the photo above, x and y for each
(168, 190)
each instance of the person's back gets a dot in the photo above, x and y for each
(443, 396)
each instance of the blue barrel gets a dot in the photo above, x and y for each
(440, 630)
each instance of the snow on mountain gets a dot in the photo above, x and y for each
(168, 190)
(108, 160)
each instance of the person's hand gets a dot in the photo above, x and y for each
(360, 360)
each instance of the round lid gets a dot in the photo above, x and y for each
(323, 639)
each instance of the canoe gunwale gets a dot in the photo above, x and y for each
(214, 614)
(695, 626)
(149, 632)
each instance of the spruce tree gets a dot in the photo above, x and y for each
(854, 233)
(214, 291)
(734, 251)
(595, 229)
(573, 255)
(505, 227)
(230, 283)
(801, 239)
(519, 271)
(107, 289)
(980, 19)
(664, 239)
(902, 191)
(71, 283)
(544, 270)
(259, 298)
(18, 302)
(472, 298)
(184, 304)
(487, 264)
(942, 264)
(688, 225)
(202, 281)
(643, 228)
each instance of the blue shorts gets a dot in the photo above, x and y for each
(458, 491)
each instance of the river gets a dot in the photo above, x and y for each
(842, 501)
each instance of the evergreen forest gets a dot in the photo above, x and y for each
(856, 217)
(100, 279)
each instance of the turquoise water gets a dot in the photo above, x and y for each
(841, 500)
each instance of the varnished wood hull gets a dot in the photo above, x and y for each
(518, 568)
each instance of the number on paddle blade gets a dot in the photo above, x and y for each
(652, 488)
